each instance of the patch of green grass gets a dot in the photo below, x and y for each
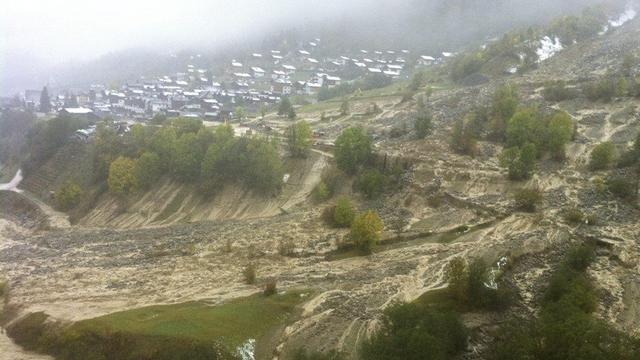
(230, 324)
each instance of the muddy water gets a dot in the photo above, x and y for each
(9, 350)
(13, 184)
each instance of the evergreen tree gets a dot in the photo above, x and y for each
(285, 107)
(45, 101)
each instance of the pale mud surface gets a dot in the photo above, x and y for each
(83, 272)
(171, 203)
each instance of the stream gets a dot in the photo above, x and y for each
(13, 184)
(8, 349)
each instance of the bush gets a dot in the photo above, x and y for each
(566, 327)
(122, 177)
(68, 196)
(320, 193)
(601, 90)
(4, 288)
(503, 107)
(463, 138)
(148, 169)
(366, 230)
(270, 288)
(557, 91)
(467, 65)
(299, 139)
(328, 216)
(520, 162)
(423, 120)
(352, 149)
(344, 213)
(372, 183)
(602, 156)
(286, 247)
(249, 274)
(574, 216)
(467, 286)
(623, 188)
(528, 199)
(416, 332)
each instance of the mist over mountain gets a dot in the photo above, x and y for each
(98, 47)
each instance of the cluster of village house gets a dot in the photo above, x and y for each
(256, 80)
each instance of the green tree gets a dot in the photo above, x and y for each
(520, 162)
(560, 131)
(344, 212)
(366, 230)
(239, 113)
(457, 275)
(528, 199)
(188, 158)
(299, 137)
(423, 120)
(285, 107)
(504, 105)
(463, 138)
(292, 114)
(345, 108)
(525, 126)
(45, 101)
(414, 331)
(68, 196)
(148, 169)
(372, 183)
(184, 125)
(602, 156)
(163, 143)
(263, 111)
(353, 149)
(122, 176)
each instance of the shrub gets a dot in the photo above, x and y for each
(122, 178)
(366, 230)
(463, 138)
(270, 288)
(286, 247)
(68, 196)
(557, 91)
(249, 274)
(601, 90)
(148, 169)
(467, 65)
(423, 120)
(4, 288)
(320, 193)
(580, 257)
(299, 139)
(328, 215)
(345, 108)
(622, 188)
(520, 162)
(416, 332)
(528, 199)
(503, 107)
(602, 156)
(344, 213)
(352, 149)
(574, 216)
(372, 183)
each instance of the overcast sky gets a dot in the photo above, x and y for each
(55, 30)
(36, 34)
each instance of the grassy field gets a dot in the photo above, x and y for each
(230, 324)
(188, 331)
